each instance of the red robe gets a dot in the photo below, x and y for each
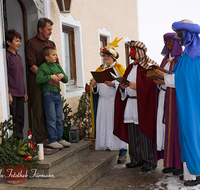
(146, 93)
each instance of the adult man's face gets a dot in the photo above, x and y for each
(180, 35)
(47, 31)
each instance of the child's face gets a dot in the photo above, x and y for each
(15, 44)
(51, 58)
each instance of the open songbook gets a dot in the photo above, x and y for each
(120, 79)
(102, 76)
(151, 73)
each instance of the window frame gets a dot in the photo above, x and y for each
(74, 90)
(126, 42)
(103, 33)
(127, 52)
(70, 31)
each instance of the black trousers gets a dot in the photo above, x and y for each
(17, 111)
(35, 97)
(141, 147)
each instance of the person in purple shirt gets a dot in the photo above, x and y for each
(16, 89)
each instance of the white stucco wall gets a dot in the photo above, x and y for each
(119, 17)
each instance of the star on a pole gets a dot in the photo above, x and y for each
(115, 42)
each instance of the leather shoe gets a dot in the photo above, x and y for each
(133, 165)
(177, 172)
(168, 170)
(181, 177)
(147, 168)
(192, 182)
(45, 142)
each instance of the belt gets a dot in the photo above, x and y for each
(132, 97)
(163, 89)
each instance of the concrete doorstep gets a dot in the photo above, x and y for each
(74, 168)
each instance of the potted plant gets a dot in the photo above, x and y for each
(15, 155)
(83, 117)
(67, 117)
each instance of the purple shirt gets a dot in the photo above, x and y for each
(15, 74)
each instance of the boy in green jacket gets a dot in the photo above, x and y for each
(53, 108)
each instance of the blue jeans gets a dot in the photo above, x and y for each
(53, 110)
(122, 152)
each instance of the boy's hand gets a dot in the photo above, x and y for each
(161, 73)
(55, 78)
(25, 98)
(94, 84)
(109, 83)
(123, 85)
(60, 76)
(159, 81)
(132, 85)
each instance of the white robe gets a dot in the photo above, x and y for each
(131, 109)
(160, 136)
(170, 82)
(105, 139)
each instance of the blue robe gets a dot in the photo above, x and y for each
(187, 83)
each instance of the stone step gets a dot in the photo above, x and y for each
(79, 176)
(52, 164)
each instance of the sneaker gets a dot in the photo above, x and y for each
(55, 145)
(121, 160)
(65, 143)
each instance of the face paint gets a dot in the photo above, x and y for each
(180, 35)
(169, 44)
(132, 53)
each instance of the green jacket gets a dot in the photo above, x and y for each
(44, 75)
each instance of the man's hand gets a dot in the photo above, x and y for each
(25, 98)
(123, 85)
(60, 76)
(109, 83)
(53, 83)
(132, 85)
(34, 69)
(55, 78)
(10, 99)
(94, 84)
(159, 81)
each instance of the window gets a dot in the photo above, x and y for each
(127, 51)
(64, 5)
(69, 54)
(103, 43)
(72, 55)
(104, 39)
